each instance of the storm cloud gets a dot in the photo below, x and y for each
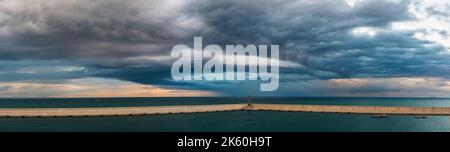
(56, 41)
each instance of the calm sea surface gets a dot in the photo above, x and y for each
(226, 121)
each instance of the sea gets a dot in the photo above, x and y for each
(231, 121)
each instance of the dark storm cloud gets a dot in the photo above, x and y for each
(77, 29)
(131, 40)
(282, 22)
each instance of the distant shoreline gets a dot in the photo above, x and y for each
(179, 109)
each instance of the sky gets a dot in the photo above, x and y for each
(116, 48)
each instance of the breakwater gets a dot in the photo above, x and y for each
(154, 110)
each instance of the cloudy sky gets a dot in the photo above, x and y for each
(117, 48)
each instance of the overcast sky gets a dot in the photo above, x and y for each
(106, 48)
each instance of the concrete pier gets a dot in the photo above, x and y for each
(388, 110)
(153, 110)
(115, 111)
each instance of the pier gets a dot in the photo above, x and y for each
(388, 110)
(115, 111)
(155, 110)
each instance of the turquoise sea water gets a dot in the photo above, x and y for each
(227, 121)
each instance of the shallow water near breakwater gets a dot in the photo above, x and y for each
(132, 102)
(230, 121)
